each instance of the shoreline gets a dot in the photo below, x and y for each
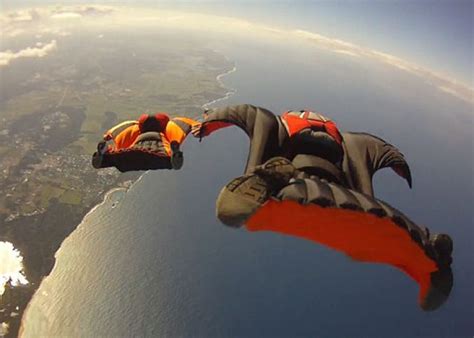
(230, 92)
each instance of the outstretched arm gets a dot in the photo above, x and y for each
(178, 128)
(260, 125)
(365, 154)
(243, 116)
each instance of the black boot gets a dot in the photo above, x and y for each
(177, 157)
(244, 195)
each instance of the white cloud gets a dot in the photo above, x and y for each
(442, 82)
(135, 16)
(447, 90)
(21, 17)
(52, 30)
(66, 15)
(13, 32)
(11, 268)
(30, 52)
(458, 91)
(74, 12)
(346, 52)
(58, 12)
(3, 329)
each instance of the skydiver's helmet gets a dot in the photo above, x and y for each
(313, 134)
(156, 123)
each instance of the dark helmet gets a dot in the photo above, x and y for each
(155, 122)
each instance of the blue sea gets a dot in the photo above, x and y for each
(155, 261)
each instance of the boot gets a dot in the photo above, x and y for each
(177, 157)
(244, 195)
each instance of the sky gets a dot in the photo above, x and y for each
(437, 34)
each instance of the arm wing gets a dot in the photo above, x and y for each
(365, 154)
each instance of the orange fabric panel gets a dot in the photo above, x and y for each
(296, 124)
(111, 133)
(210, 127)
(126, 137)
(187, 120)
(362, 236)
(174, 133)
(166, 143)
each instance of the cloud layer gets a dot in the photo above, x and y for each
(46, 21)
(444, 83)
(30, 52)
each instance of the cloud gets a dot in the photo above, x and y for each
(66, 15)
(345, 52)
(208, 23)
(459, 91)
(58, 12)
(23, 16)
(74, 12)
(51, 30)
(48, 20)
(30, 52)
(3, 329)
(11, 268)
(442, 82)
(13, 32)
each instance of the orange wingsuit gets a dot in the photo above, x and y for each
(176, 130)
(150, 143)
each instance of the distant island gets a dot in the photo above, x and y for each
(54, 110)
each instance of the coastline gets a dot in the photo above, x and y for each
(230, 93)
(106, 195)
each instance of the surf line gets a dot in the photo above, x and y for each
(230, 91)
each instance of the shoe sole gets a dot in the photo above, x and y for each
(240, 198)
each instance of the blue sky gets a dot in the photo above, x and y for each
(437, 34)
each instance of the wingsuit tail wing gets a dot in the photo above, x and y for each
(364, 155)
(363, 228)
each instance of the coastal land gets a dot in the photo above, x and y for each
(53, 111)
